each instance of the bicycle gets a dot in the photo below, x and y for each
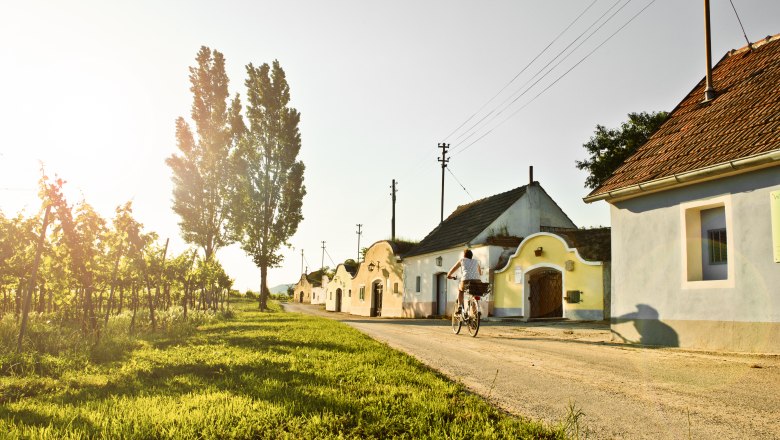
(471, 314)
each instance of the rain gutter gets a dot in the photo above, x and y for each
(732, 167)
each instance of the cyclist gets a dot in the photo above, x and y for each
(470, 270)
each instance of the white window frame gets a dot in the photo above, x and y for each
(691, 243)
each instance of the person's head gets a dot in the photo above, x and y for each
(467, 253)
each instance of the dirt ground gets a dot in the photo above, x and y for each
(538, 370)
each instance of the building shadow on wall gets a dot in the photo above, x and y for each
(650, 329)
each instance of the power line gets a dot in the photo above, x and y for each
(330, 258)
(740, 22)
(523, 89)
(420, 164)
(523, 70)
(560, 77)
(461, 185)
(561, 52)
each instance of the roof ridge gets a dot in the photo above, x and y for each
(482, 200)
(755, 45)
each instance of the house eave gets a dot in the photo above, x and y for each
(724, 169)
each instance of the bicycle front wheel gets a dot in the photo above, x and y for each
(473, 322)
(456, 321)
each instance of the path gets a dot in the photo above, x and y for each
(537, 369)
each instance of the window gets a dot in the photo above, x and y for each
(349, 293)
(362, 294)
(717, 246)
(331, 295)
(395, 287)
(705, 242)
(418, 280)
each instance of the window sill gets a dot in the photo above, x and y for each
(708, 284)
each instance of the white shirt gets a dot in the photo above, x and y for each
(469, 269)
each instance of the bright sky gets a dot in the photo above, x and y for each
(92, 89)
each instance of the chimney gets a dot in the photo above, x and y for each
(709, 91)
(530, 174)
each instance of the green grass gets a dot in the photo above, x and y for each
(258, 375)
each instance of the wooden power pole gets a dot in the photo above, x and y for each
(444, 159)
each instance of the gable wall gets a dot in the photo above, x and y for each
(525, 217)
(341, 280)
(390, 272)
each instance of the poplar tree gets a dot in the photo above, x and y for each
(201, 172)
(269, 193)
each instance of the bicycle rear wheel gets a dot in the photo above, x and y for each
(456, 321)
(474, 318)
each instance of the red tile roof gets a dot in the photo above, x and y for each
(743, 120)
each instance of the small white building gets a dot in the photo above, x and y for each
(318, 292)
(696, 216)
(339, 290)
(492, 228)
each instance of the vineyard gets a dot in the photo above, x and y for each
(67, 275)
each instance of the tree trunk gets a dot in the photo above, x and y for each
(121, 297)
(113, 285)
(159, 277)
(134, 295)
(42, 299)
(263, 288)
(18, 299)
(31, 288)
(185, 299)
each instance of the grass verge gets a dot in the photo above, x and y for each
(258, 375)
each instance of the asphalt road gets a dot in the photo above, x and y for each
(538, 370)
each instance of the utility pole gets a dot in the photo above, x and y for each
(359, 225)
(444, 159)
(392, 223)
(322, 264)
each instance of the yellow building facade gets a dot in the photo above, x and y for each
(547, 277)
(302, 290)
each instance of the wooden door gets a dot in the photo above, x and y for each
(338, 300)
(546, 294)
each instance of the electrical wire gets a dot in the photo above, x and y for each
(561, 52)
(521, 71)
(550, 70)
(461, 185)
(421, 163)
(330, 258)
(740, 22)
(559, 78)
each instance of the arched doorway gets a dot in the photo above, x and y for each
(545, 293)
(440, 295)
(338, 300)
(301, 300)
(376, 298)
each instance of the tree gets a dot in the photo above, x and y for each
(609, 148)
(269, 193)
(201, 173)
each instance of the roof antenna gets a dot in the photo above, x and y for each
(709, 91)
